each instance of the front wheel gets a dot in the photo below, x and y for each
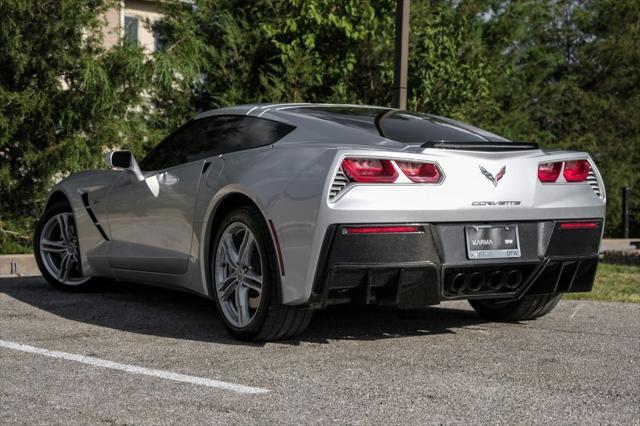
(57, 252)
(527, 308)
(245, 279)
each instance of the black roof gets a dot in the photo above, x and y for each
(402, 126)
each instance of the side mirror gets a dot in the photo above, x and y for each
(124, 160)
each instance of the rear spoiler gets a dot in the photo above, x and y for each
(482, 146)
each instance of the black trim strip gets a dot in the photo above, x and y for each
(322, 265)
(277, 243)
(482, 146)
(575, 274)
(557, 284)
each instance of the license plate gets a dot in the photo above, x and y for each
(492, 242)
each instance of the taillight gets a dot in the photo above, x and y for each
(579, 225)
(572, 170)
(380, 229)
(549, 172)
(420, 172)
(370, 170)
(373, 170)
(576, 170)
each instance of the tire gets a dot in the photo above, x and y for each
(54, 251)
(527, 308)
(252, 282)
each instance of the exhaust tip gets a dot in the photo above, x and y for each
(495, 281)
(458, 283)
(514, 279)
(476, 281)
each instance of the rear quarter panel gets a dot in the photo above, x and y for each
(287, 184)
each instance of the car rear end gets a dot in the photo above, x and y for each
(495, 221)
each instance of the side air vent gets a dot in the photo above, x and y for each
(94, 219)
(340, 182)
(592, 180)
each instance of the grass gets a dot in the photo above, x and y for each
(614, 283)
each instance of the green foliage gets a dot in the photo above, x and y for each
(558, 72)
(565, 74)
(448, 67)
(266, 51)
(63, 100)
(614, 283)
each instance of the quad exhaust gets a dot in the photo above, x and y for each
(488, 282)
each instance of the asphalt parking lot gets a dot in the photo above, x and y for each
(580, 364)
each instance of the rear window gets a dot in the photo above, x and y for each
(402, 126)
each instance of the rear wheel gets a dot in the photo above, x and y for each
(245, 279)
(527, 308)
(57, 251)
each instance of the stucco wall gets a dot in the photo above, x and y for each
(143, 10)
(112, 27)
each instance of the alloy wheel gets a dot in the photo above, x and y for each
(238, 274)
(59, 249)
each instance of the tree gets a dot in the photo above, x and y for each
(63, 100)
(565, 74)
(274, 51)
(448, 68)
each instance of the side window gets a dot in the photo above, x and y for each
(211, 136)
(175, 149)
(257, 132)
(218, 133)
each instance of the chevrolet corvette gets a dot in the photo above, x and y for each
(275, 211)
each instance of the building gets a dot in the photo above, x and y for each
(128, 23)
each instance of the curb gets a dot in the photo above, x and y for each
(619, 244)
(24, 265)
(18, 265)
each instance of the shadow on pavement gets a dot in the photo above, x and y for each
(167, 313)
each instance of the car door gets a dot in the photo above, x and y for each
(151, 221)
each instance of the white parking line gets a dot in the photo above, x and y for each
(168, 375)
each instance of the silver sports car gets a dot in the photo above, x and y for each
(274, 211)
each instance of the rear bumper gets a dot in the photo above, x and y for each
(417, 269)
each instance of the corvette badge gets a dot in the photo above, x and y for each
(493, 179)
